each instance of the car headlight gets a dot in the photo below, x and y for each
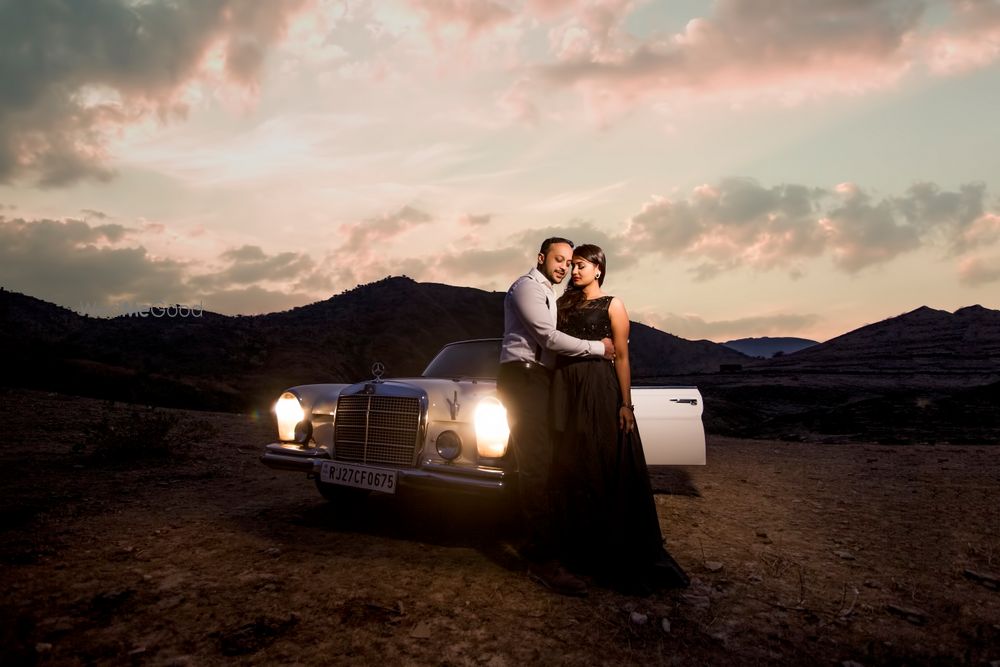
(449, 445)
(492, 431)
(289, 413)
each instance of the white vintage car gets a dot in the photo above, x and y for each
(445, 429)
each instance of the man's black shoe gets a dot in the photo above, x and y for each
(553, 575)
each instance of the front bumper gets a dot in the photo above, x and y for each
(429, 475)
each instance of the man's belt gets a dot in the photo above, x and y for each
(527, 365)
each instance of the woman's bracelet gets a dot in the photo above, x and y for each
(630, 406)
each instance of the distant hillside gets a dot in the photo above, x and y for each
(923, 340)
(654, 353)
(925, 376)
(235, 363)
(767, 347)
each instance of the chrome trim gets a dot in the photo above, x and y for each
(443, 476)
(453, 477)
(289, 456)
(386, 389)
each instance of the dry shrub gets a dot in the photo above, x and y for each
(140, 433)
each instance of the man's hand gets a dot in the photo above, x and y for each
(609, 348)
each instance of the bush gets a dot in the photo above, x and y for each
(138, 433)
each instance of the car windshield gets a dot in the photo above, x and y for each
(476, 359)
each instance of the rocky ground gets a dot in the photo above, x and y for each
(800, 552)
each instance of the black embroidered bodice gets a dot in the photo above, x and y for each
(587, 320)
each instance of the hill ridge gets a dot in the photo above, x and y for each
(234, 362)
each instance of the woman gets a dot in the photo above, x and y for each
(599, 472)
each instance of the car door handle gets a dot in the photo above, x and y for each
(690, 401)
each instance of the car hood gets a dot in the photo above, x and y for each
(453, 400)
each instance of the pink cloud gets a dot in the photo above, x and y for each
(734, 223)
(793, 49)
(475, 16)
(592, 33)
(740, 223)
(979, 270)
(971, 40)
(983, 231)
(470, 220)
(518, 104)
(135, 61)
(361, 255)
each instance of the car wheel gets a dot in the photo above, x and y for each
(342, 496)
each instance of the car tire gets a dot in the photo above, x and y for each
(342, 496)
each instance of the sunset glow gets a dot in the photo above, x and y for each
(749, 172)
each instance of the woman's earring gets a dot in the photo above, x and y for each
(597, 275)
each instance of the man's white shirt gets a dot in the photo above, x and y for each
(530, 334)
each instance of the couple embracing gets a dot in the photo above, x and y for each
(584, 488)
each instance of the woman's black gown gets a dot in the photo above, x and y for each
(600, 479)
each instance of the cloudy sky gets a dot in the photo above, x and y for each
(751, 167)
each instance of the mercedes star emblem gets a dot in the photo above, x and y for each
(378, 370)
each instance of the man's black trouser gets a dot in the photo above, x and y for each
(524, 390)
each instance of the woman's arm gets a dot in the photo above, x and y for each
(530, 302)
(619, 334)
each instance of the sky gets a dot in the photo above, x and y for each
(750, 167)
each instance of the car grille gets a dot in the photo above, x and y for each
(376, 429)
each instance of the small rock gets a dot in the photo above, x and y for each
(137, 651)
(42, 647)
(698, 586)
(911, 614)
(273, 551)
(851, 663)
(421, 631)
(637, 618)
(697, 601)
(843, 553)
(761, 533)
(755, 578)
(986, 579)
(665, 624)
(871, 583)
(713, 565)
(628, 607)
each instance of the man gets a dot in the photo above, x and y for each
(527, 357)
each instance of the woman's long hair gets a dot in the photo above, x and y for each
(593, 254)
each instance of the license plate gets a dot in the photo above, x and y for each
(360, 477)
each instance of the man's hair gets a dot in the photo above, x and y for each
(549, 241)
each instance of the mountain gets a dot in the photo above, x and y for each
(924, 340)
(656, 354)
(926, 376)
(235, 363)
(767, 347)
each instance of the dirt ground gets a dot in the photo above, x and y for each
(826, 554)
